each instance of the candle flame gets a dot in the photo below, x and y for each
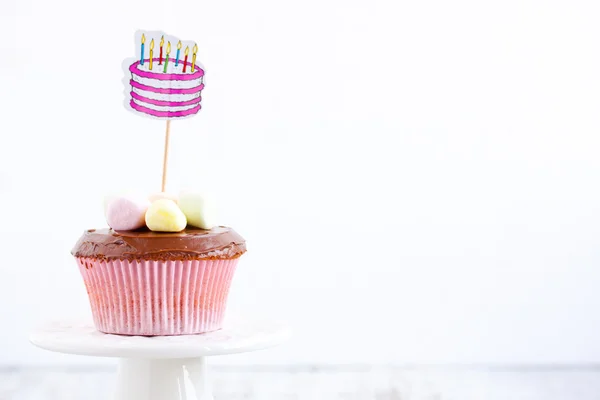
(152, 44)
(143, 38)
(187, 50)
(168, 47)
(179, 45)
(195, 48)
(162, 41)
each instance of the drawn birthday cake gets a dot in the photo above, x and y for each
(166, 86)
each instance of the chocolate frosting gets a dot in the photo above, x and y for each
(218, 243)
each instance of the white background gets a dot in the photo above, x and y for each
(417, 180)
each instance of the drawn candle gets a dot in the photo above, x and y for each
(177, 55)
(151, 53)
(162, 42)
(187, 50)
(142, 52)
(167, 57)
(194, 57)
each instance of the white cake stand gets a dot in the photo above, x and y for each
(163, 367)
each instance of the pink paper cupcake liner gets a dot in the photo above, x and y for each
(157, 298)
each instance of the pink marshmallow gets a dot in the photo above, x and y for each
(126, 213)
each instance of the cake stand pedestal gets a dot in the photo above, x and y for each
(161, 367)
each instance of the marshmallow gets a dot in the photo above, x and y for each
(163, 215)
(200, 210)
(107, 200)
(162, 195)
(126, 213)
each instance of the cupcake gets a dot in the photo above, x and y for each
(165, 278)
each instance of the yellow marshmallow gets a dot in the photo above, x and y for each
(162, 195)
(164, 215)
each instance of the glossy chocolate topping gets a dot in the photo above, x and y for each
(217, 243)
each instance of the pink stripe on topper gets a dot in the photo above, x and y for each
(164, 114)
(164, 90)
(198, 73)
(164, 102)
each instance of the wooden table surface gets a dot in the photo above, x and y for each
(314, 383)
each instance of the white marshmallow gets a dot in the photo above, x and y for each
(199, 209)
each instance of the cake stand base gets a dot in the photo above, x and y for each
(163, 379)
(161, 367)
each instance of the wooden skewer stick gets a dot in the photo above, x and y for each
(166, 156)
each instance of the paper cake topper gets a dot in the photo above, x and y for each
(163, 87)
(164, 80)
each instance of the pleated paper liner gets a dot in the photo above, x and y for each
(157, 298)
